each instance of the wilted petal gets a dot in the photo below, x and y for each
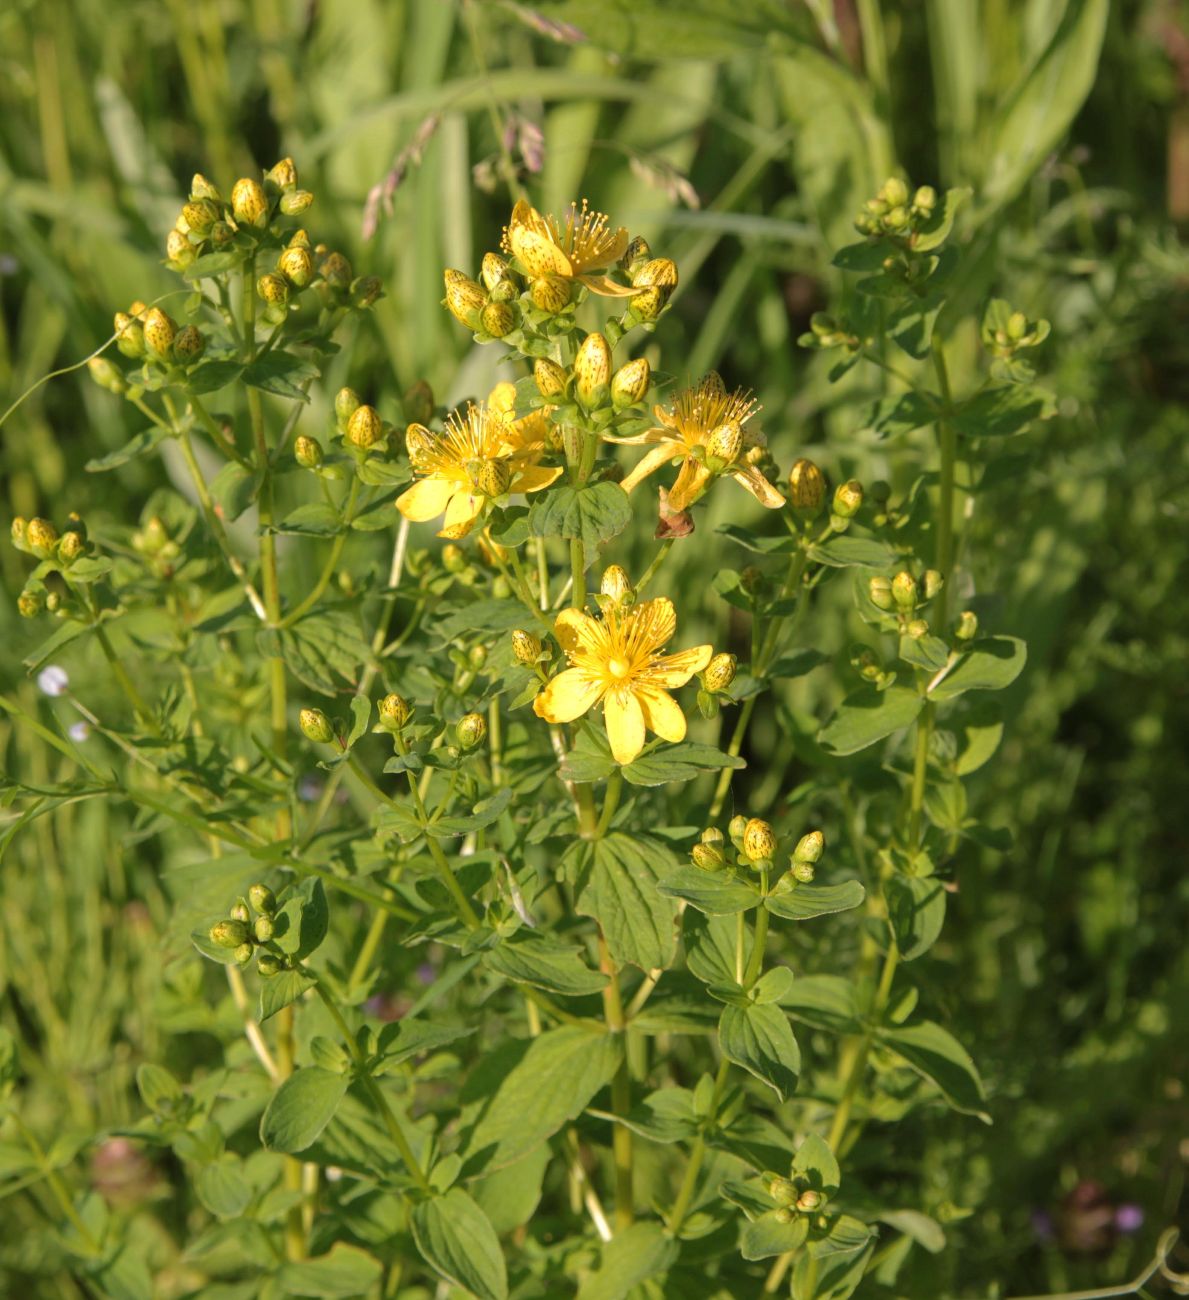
(691, 479)
(759, 487)
(650, 462)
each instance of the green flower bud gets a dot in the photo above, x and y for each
(221, 234)
(366, 290)
(464, 298)
(179, 250)
(810, 847)
(904, 590)
(20, 527)
(924, 201)
(394, 712)
(263, 929)
(42, 538)
(274, 289)
(269, 964)
(635, 255)
(249, 204)
(550, 293)
(759, 840)
(307, 452)
(751, 579)
(916, 629)
(526, 647)
(848, 497)
(189, 345)
(592, 370)
(930, 584)
(107, 375)
(736, 828)
(159, 334)
(967, 627)
(894, 192)
(418, 402)
(712, 835)
(497, 319)
(295, 202)
(283, 174)
(803, 872)
(365, 428)
(649, 304)
(708, 857)
(71, 547)
(346, 403)
(549, 376)
(807, 488)
(201, 188)
(239, 911)
(315, 725)
(477, 656)
(228, 934)
(720, 672)
(262, 899)
(495, 271)
(454, 558)
(809, 1200)
(129, 336)
(616, 585)
(880, 591)
(656, 273)
(297, 266)
(334, 269)
(782, 1191)
(30, 604)
(630, 383)
(243, 954)
(470, 729)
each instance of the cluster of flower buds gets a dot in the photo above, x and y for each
(870, 667)
(825, 332)
(1005, 334)
(47, 589)
(903, 596)
(653, 278)
(896, 211)
(755, 846)
(153, 541)
(243, 934)
(794, 1196)
(150, 334)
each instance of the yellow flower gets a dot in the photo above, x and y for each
(617, 659)
(704, 427)
(581, 243)
(482, 453)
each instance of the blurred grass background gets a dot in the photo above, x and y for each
(740, 140)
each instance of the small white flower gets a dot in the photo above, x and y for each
(53, 681)
(80, 731)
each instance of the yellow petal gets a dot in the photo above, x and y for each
(650, 462)
(606, 287)
(625, 724)
(502, 398)
(567, 696)
(575, 631)
(650, 626)
(534, 478)
(662, 714)
(538, 254)
(690, 483)
(426, 499)
(642, 439)
(758, 486)
(675, 670)
(461, 514)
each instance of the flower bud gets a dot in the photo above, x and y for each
(365, 428)
(464, 298)
(782, 1191)
(263, 929)
(470, 729)
(894, 192)
(394, 712)
(283, 174)
(630, 383)
(274, 289)
(334, 269)
(616, 585)
(71, 546)
(30, 604)
(221, 234)
(159, 333)
(454, 558)
(967, 627)
(189, 345)
(418, 402)
(107, 375)
(41, 537)
(493, 478)
(636, 254)
(262, 899)
(201, 188)
(366, 290)
(708, 857)
(297, 266)
(315, 726)
(295, 202)
(497, 319)
(228, 934)
(809, 1200)
(803, 872)
(751, 579)
(924, 201)
(657, 272)
(712, 835)
(592, 370)
(810, 847)
(916, 629)
(249, 204)
(550, 293)
(200, 215)
(129, 335)
(346, 403)
(736, 828)
(930, 584)
(269, 964)
(880, 591)
(759, 841)
(720, 672)
(724, 444)
(807, 487)
(904, 589)
(179, 250)
(495, 271)
(848, 497)
(243, 954)
(239, 912)
(307, 452)
(526, 647)
(19, 530)
(477, 656)
(649, 304)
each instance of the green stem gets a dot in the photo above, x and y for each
(657, 560)
(121, 674)
(331, 564)
(621, 1092)
(759, 939)
(363, 1074)
(697, 1154)
(209, 423)
(56, 1185)
(948, 443)
(610, 802)
(375, 932)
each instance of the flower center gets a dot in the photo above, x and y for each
(618, 668)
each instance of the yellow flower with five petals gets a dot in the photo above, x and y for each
(705, 427)
(582, 243)
(618, 660)
(483, 453)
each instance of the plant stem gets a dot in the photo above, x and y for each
(920, 771)
(56, 1185)
(948, 444)
(121, 673)
(363, 1074)
(697, 1154)
(657, 560)
(621, 1092)
(331, 564)
(610, 801)
(759, 939)
(375, 932)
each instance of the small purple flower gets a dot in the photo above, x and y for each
(53, 681)
(79, 731)
(427, 972)
(1129, 1218)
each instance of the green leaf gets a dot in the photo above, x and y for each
(710, 947)
(665, 1116)
(137, 445)
(836, 1262)
(280, 373)
(779, 544)
(847, 552)
(680, 762)
(900, 414)
(621, 894)
(935, 1053)
(233, 489)
(818, 1164)
(344, 1270)
(485, 813)
(936, 230)
(716, 893)
(222, 1187)
(1001, 412)
(211, 376)
(301, 1108)
(827, 1002)
(323, 649)
(804, 902)
(545, 963)
(589, 760)
(868, 716)
(594, 512)
(401, 1040)
(922, 1228)
(521, 1094)
(277, 991)
(456, 1239)
(634, 1255)
(990, 664)
(158, 1089)
(916, 909)
(317, 519)
(760, 1039)
(768, 1235)
(301, 924)
(212, 264)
